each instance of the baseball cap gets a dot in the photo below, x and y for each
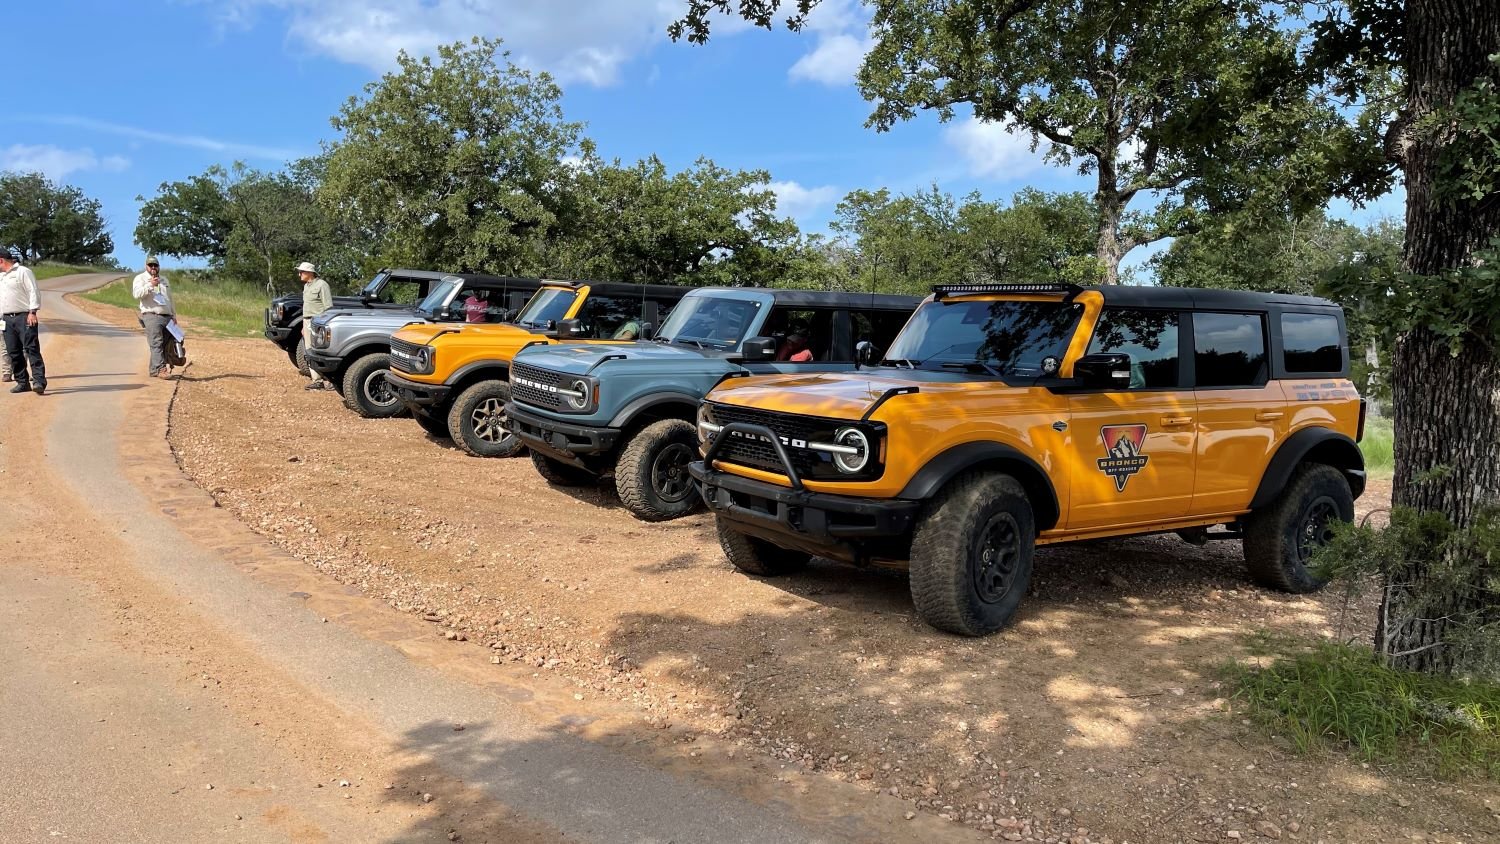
(306, 267)
(152, 262)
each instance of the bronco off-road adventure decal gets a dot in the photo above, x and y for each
(1122, 452)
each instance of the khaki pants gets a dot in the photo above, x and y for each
(307, 341)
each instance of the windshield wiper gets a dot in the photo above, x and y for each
(971, 366)
(686, 340)
(899, 362)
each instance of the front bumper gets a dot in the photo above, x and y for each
(279, 334)
(322, 362)
(560, 440)
(419, 397)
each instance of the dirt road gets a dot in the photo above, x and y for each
(171, 676)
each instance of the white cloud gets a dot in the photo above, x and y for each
(168, 138)
(799, 202)
(992, 150)
(576, 40)
(842, 30)
(55, 162)
(834, 61)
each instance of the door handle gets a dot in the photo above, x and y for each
(1268, 416)
(1176, 421)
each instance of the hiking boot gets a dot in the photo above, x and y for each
(314, 385)
(40, 389)
(21, 388)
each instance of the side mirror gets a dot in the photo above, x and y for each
(368, 298)
(758, 348)
(445, 315)
(571, 329)
(864, 353)
(647, 331)
(1110, 369)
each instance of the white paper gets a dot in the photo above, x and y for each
(176, 331)
(160, 299)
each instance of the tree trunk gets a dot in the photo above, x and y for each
(1109, 250)
(1448, 407)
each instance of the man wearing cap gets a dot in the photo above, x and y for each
(154, 296)
(19, 302)
(316, 298)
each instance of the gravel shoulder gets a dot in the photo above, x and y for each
(1097, 717)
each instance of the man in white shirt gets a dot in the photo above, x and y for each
(19, 302)
(154, 296)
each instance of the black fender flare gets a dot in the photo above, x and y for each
(1320, 445)
(498, 371)
(625, 415)
(946, 466)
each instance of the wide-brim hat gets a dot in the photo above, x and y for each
(306, 267)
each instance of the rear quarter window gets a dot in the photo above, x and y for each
(1311, 343)
(1229, 350)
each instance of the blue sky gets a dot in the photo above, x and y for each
(157, 90)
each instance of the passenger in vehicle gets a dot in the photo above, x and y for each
(795, 348)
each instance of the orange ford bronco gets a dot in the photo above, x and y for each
(1006, 416)
(454, 378)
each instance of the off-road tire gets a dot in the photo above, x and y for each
(651, 472)
(297, 353)
(435, 426)
(488, 438)
(365, 389)
(757, 556)
(559, 473)
(971, 554)
(1279, 538)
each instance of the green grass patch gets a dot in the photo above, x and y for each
(231, 308)
(1379, 446)
(1335, 696)
(45, 271)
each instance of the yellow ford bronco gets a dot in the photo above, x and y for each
(453, 378)
(1006, 416)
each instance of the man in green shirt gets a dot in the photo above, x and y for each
(316, 298)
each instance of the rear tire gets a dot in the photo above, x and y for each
(297, 352)
(366, 391)
(971, 554)
(651, 473)
(559, 473)
(757, 556)
(434, 426)
(477, 421)
(1280, 539)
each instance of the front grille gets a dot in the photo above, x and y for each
(528, 384)
(758, 454)
(404, 356)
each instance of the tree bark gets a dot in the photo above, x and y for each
(1109, 250)
(1447, 407)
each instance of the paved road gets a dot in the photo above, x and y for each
(169, 677)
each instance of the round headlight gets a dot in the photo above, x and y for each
(580, 396)
(706, 426)
(855, 461)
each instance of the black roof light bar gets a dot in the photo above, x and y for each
(942, 290)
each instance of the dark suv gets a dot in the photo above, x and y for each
(388, 289)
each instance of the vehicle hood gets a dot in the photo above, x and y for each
(458, 333)
(837, 395)
(339, 302)
(371, 318)
(578, 358)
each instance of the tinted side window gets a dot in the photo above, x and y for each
(617, 318)
(1149, 337)
(479, 304)
(878, 327)
(1311, 343)
(1229, 350)
(802, 335)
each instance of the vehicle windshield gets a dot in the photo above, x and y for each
(709, 322)
(373, 288)
(546, 307)
(1006, 337)
(441, 293)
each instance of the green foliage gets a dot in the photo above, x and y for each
(910, 242)
(206, 299)
(46, 271)
(1201, 105)
(1379, 446)
(458, 163)
(1333, 695)
(1445, 577)
(189, 218)
(704, 225)
(51, 222)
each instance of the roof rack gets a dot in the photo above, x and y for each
(942, 290)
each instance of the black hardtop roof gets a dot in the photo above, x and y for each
(1198, 298)
(507, 281)
(833, 298)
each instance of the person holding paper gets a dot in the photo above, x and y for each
(155, 298)
(19, 302)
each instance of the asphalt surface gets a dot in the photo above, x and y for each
(169, 677)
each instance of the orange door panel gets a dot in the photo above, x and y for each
(1238, 430)
(1131, 457)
